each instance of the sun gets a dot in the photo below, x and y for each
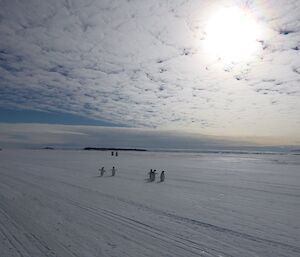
(232, 35)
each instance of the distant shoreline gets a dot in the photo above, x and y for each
(191, 151)
(113, 149)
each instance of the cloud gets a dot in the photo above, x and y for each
(140, 63)
(24, 135)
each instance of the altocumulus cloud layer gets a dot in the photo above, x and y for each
(142, 64)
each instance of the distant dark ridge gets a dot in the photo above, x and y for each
(296, 150)
(114, 149)
(195, 151)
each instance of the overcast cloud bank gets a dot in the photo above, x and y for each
(70, 136)
(142, 64)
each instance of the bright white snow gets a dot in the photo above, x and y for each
(53, 203)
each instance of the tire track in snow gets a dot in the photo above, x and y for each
(13, 241)
(198, 223)
(187, 220)
(193, 244)
(20, 239)
(23, 239)
(132, 224)
(144, 228)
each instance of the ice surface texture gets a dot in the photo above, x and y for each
(53, 203)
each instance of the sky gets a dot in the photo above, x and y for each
(149, 67)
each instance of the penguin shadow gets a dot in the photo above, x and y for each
(104, 176)
(98, 176)
(147, 180)
(107, 176)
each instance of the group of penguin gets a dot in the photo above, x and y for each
(113, 171)
(152, 174)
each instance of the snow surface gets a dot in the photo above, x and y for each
(53, 203)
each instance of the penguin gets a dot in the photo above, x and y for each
(113, 171)
(162, 176)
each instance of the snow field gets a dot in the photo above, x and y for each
(54, 203)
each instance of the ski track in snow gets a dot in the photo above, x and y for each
(137, 226)
(51, 208)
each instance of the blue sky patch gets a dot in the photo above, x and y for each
(31, 116)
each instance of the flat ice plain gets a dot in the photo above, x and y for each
(53, 203)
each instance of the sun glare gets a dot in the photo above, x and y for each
(232, 35)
